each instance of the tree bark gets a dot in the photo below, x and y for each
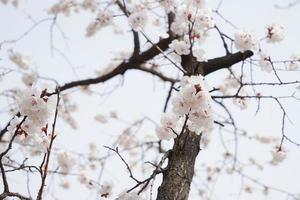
(178, 176)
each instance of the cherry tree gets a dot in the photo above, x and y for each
(204, 85)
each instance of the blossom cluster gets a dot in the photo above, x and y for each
(37, 108)
(29, 76)
(191, 107)
(275, 32)
(278, 156)
(199, 18)
(104, 18)
(65, 7)
(266, 64)
(191, 22)
(138, 20)
(65, 161)
(246, 40)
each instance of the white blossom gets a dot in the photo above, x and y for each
(106, 189)
(37, 109)
(192, 102)
(162, 34)
(168, 5)
(197, 3)
(65, 184)
(199, 54)
(264, 62)
(100, 118)
(275, 32)
(165, 133)
(29, 78)
(113, 114)
(180, 47)
(65, 161)
(241, 102)
(201, 120)
(204, 19)
(244, 40)
(295, 62)
(169, 120)
(41, 143)
(63, 6)
(89, 5)
(19, 60)
(179, 27)
(180, 107)
(175, 57)
(278, 157)
(104, 18)
(137, 20)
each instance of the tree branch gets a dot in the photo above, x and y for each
(133, 63)
(227, 61)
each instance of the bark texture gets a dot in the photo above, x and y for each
(180, 170)
(179, 173)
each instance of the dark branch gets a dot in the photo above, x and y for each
(133, 63)
(227, 61)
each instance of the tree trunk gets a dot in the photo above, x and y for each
(178, 176)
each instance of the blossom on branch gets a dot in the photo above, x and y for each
(192, 103)
(244, 40)
(275, 33)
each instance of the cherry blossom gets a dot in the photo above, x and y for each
(204, 19)
(89, 5)
(242, 103)
(101, 118)
(199, 54)
(264, 62)
(192, 101)
(295, 63)
(104, 18)
(20, 60)
(179, 27)
(244, 40)
(106, 189)
(30, 78)
(180, 47)
(278, 156)
(197, 3)
(63, 6)
(275, 33)
(168, 5)
(137, 20)
(35, 107)
(37, 110)
(65, 161)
